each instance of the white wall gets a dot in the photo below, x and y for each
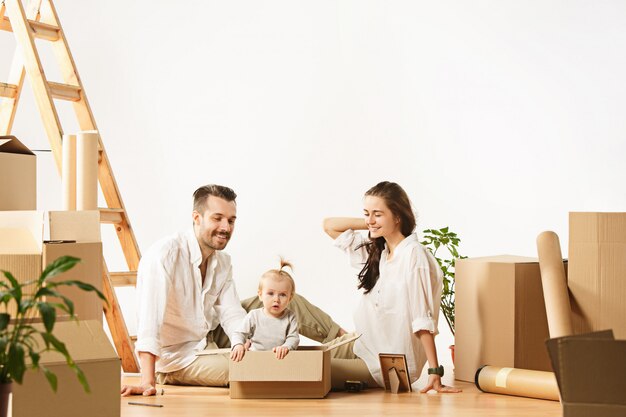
(498, 118)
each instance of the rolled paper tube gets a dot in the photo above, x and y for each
(87, 171)
(518, 382)
(556, 297)
(68, 172)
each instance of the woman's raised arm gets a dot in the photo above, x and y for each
(334, 226)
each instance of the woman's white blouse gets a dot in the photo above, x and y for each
(404, 301)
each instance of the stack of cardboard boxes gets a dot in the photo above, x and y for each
(25, 252)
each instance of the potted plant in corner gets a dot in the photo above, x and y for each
(434, 241)
(21, 342)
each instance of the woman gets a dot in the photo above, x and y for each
(401, 284)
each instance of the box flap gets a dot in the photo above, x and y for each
(21, 232)
(80, 226)
(507, 259)
(85, 341)
(10, 144)
(343, 342)
(298, 365)
(590, 368)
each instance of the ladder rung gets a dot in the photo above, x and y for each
(64, 91)
(8, 90)
(123, 279)
(5, 24)
(40, 30)
(111, 215)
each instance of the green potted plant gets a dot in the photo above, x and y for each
(21, 342)
(434, 241)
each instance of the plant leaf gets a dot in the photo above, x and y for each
(51, 377)
(16, 287)
(48, 314)
(34, 357)
(83, 286)
(57, 267)
(4, 320)
(16, 365)
(81, 377)
(43, 291)
(55, 343)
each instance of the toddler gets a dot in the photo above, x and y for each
(272, 327)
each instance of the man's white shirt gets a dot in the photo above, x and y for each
(175, 310)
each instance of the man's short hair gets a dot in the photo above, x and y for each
(201, 194)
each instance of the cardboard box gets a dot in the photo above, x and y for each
(21, 247)
(597, 277)
(590, 371)
(24, 253)
(500, 315)
(91, 350)
(18, 175)
(303, 373)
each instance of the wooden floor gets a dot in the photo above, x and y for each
(198, 402)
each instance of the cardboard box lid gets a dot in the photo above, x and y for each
(85, 341)
(10, 144)
(505, 259)
(80, 226)
(590, 368)
(21, 232)
(299, 365)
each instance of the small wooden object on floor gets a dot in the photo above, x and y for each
(395, 372)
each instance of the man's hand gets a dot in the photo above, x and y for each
(280, 351)
(145, 390)
(434, 382)
(237, 353)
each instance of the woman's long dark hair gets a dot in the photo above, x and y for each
(399, 204)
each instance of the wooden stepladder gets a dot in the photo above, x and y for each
(39, 20)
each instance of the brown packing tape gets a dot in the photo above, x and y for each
(518, 382)
(87, 171)
(554, 283)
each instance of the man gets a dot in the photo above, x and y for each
(185, 289)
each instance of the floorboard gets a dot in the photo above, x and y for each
(201, 401)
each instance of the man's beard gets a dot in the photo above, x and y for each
(216, 244)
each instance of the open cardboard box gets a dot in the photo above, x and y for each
(590, 371)
(24, 252)
(91, 350)
(303, 373)
(18, 175)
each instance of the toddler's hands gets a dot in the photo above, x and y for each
(237, 353)
(280, 351)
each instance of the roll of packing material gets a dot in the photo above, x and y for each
(87, 170)
(554, 282)
(68, 172)
(518, 382)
